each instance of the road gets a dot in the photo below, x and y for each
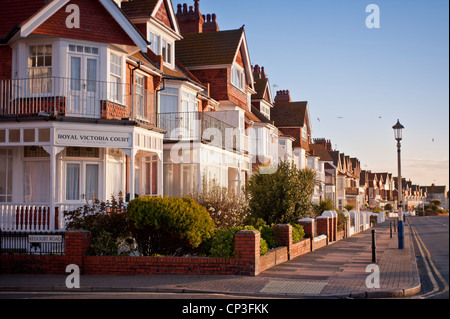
(431, 244)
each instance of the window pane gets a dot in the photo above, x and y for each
(75, 73)
(91, 189)
(73, 182)
(37, 182)
(91, 75)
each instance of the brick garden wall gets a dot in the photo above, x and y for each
(246, 262)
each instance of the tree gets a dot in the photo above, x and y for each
(281, 197)
(349, 207)
(324, 205)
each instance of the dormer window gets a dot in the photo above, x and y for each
(237, 77)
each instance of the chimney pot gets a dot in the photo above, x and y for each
(208, 17)
(214, 17)
(179, 9)
(263, 73)
(184, 7)
(196, 5)
(191, 9)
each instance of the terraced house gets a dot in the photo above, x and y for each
(78, 109)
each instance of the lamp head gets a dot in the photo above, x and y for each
(398, 128)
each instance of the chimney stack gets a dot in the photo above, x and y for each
(283, 96)
(191, 21)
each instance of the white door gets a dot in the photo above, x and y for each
(84, 100)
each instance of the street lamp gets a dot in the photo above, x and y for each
(398, 130)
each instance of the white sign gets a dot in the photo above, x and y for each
(45, 238)
(92, 138)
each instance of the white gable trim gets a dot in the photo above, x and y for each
(42, 16)
(53, 7)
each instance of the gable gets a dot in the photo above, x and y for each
(140, 11)
(239, 59)
(96, 24)
(162, 15)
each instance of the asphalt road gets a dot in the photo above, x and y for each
(431, 244)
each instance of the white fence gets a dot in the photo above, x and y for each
(33, 217)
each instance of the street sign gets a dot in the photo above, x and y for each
(45, 238)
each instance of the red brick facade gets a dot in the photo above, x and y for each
(96, 24)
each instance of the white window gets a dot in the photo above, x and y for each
(237, 77)
(40, 68)
(36, 175)
(140, 97)
(6, 175)
(169, 100)
(146, 175)
(167, 51)
(179, 179)
(82, 177)
(115, 76)
(304, 133)
(155, 43)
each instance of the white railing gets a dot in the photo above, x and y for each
(34, 217)
(28, 217)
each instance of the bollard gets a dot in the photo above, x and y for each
(390, 226)
(374, 251)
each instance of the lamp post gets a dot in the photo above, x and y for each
(398, 136)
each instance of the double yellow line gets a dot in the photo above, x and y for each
(429, 265)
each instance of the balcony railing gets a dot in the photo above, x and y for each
(76, 98)
(201, 126)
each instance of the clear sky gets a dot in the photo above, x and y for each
(323, 53)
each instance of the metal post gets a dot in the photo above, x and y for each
(374, 251)
(400, 199)
(390, 227)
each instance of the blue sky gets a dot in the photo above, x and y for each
(323, 53)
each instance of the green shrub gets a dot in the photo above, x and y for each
(168, 226)
(223, 242)
(106, 221)
(281, 197)
(268, 235)
(298, 233)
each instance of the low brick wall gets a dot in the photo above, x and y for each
(160, 265)
(274, 257)
(319, 242)
(300, 248)
(77, 245)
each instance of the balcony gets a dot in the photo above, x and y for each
(354, 191)
(202, 127)
(76, 98)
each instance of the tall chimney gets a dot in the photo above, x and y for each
(283, 96)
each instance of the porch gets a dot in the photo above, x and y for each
(48, 167)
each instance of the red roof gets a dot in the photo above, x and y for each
(16, 12)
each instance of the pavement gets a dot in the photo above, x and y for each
(343, 269)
